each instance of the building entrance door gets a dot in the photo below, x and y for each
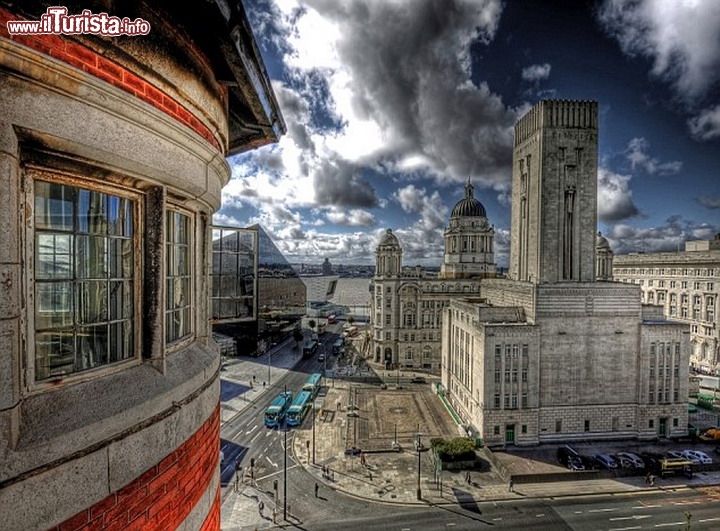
(662, 427)
(510, 434)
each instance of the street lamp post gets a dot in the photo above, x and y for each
(314, 417)
(419, 492)
(285, 475)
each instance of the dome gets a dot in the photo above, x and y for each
(601, 242)
(388, 240)
(468, 206)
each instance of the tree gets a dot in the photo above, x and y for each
(297, 336)
(312, 324)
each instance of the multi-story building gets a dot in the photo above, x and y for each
(551, 353)
(407, 303)
(687, 286)
(257, 297)
(112, 159)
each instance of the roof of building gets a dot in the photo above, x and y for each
(388, 240)
(468, 206)
(601, 242)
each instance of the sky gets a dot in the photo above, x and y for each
(391, 105)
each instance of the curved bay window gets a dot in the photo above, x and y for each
(178, 294)
(84, 277)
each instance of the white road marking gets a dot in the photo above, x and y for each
(709, 520)
(268, 433)
(251, 429)
(496, 519)
(610, 509)
(273, 464)
(669, 524)
(539, 515)
(625, 528)
(578, 512)
(256, 436)
(450, 524)
(634, 517)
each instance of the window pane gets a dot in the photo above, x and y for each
(121, 300)
(53, 206)
(53, 304)
(54, 353)
(92, 302)
(92, 212)
(86, 259)
(121, 344)
(120, 222)
(91, 257)
(53, 256)
(92, 345)
(120, 258)
(178, 280)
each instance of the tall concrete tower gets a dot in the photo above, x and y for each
(554, 191)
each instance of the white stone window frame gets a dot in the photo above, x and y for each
(31, 176)
(181, 341)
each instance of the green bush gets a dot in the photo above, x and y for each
(457, 449)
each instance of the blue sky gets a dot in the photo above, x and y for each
(391, 105)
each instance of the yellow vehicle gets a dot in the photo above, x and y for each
(674, 466)
(711, 435)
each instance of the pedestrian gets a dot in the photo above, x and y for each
(370, 474)
(261, 506)
(652, 480)
(263, 384)
(317, 487)
(510, 486)
(468, 479)
(338, 406)
(237, 483)
(253, 377)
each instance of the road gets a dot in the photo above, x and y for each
(656, 511)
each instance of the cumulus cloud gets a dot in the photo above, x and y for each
(353, 218)
(423, 240)
(615, 201)
(669, 237)
(706, 125)
(680, 38)
(534, 73)
(637, 154)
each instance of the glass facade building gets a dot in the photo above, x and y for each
(257, 297)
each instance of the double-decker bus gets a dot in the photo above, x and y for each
(275, 413)
(312, 385)
(299, 408)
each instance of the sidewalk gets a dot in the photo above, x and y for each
(386, 477)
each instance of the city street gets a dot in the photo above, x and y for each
(349, 493)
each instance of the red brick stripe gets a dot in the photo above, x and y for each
(163, 496)
(76, 55)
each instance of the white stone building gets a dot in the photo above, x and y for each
(407, 303)
(687, 286)
(551, 353)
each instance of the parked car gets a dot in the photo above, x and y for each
(418, 380)
(606, 461)
(632, 460)
(589, 462)
(697, 457)
(321, 357)
(570, 458)
(677, 454)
